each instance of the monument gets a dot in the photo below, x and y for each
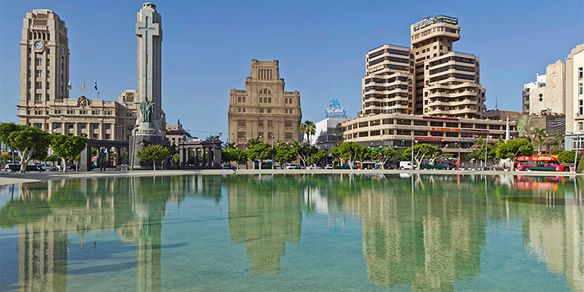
(149, 128)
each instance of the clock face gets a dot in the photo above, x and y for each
(39, 45)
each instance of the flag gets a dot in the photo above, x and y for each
(69, 85)
(83, 86)
(95, 86)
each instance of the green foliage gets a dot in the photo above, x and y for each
(512, 148)
(31, 143)
(317, 157)
(153, 153)
(260, 151)
(386, 154)
(303, 151)
(347, 151)
(176, 158)
(285, 153)
(67, 147)
(424, 151)
(479, 148)
(567, 156)
(124, 157)
(307, 128)
(53, 158)
(539, 138)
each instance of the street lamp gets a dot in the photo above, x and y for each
(413, 142)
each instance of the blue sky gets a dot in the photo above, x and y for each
(321, 46)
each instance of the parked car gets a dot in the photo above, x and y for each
(227, 166)
(12, 167)
(405, 165)
(392, 165)
(46, 167)
(293, 166)
(314, 166)
(437, 166)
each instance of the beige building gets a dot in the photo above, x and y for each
(575, 98)
(548, 93)
(455, 135)
(264, 110)
(428, 78)
(426, 92)
(175, 134)
(44, 95)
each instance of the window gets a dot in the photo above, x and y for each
(270, 123)
(38, 85)
(240, 135)
(269, 111)
(38, 62)
(260, 123)
(580, 88)
(37, 73)
(241, 123)
(580, 73)
(580, 107)
(82, 112)
(288, 135)
(288, 124)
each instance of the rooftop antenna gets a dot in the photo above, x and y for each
(496, 104)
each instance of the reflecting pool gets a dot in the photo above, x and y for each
(293, 232)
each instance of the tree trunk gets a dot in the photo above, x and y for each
(64, 164)
(154, 164)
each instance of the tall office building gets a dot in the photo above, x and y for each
(264, 110)
(429, 78)
(425, 93)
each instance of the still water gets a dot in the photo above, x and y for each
(293, 232)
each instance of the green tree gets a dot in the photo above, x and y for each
(386, 154)
(153, 153)
(424, 151)
(30, 142)
(232, 154)
(67, 147)
(285, 153)
(176, 158)
(347, 151)
(567, 156)
(317, 157)
(514, 147)
(260, 151)
(304, 151)
(539, 138)
(307, 128)
(479, 147)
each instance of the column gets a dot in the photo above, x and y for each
(100, 133)
(210, 157)
(196, 158)
(76, 130)
(181, 154)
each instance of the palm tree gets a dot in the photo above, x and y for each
(538, 138)
(307, 128)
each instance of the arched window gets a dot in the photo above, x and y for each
(265, 91)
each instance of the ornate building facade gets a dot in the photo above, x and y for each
(264, 110)
(44, 92)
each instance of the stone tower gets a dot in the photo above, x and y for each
(149, 58)
(44, 66)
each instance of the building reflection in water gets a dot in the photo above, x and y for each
(419, 232)
(264, 214)
(554, 227)
(134, 207)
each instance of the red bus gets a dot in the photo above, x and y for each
(540, 162)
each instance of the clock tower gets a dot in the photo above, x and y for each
(44, 66)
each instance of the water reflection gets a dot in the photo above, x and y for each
(264, 215)
(418, 232)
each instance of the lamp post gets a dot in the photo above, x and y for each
(486, 149)
(413, 142)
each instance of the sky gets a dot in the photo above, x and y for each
(321, 46)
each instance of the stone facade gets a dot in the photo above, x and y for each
(44, 97)
(264, 110)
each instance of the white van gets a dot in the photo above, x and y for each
(405, 165)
